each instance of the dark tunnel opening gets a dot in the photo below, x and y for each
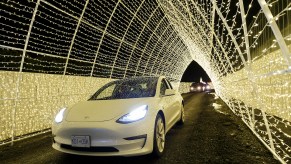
(194, 72)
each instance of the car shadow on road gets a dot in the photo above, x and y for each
(68, 158)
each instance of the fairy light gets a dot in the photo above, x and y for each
(272, 60)
(162, 37)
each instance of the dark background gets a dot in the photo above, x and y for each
(193, 73)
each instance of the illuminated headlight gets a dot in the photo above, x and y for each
(199, 88)
(59, 117)
(136, 115)
(192, 88)
(207, 87)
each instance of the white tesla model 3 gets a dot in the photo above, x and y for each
(126, 117)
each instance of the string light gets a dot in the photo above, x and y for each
(264, 64)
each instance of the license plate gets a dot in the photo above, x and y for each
(80, 141)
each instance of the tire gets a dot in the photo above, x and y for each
(159, 137)
(182, 117)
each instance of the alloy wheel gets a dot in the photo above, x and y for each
(160, 134)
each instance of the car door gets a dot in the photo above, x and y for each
(176, 103)
(167, 104)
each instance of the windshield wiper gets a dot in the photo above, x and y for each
(104, 98)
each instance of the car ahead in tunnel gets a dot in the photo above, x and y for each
(126, 117)
(200, 87)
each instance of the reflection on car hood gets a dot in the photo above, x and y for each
(104, 110)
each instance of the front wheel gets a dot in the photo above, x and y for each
(182, 117)
(159, 136)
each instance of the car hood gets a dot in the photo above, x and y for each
(104, 110)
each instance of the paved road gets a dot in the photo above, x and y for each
(208, 136)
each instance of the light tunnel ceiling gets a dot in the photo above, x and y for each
(123, 38)
(111, 39)
(117, 39)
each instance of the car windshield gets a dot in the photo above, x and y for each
(127, 88)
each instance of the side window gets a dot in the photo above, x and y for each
(169, 83)
(164, 86)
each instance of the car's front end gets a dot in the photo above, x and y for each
(127, 131)
(201, 87)
(197, 87)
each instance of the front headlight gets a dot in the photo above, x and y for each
(59, 117)
(135, 115)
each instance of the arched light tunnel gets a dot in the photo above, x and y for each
(55, 52)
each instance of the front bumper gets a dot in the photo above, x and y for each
(114, 140)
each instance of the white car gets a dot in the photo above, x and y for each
(126, 117)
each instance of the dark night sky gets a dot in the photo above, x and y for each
(193, 73)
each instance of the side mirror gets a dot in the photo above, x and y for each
(170, 92)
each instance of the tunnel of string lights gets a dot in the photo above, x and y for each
(54, 53)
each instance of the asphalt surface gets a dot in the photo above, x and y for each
(209, 135)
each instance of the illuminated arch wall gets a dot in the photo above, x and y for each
(54, 53)
(245, 49)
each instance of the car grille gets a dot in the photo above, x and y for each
(90, 149)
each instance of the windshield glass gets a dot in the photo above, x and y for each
(127, 88)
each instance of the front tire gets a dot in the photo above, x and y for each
(159, 136)
(182, 117)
